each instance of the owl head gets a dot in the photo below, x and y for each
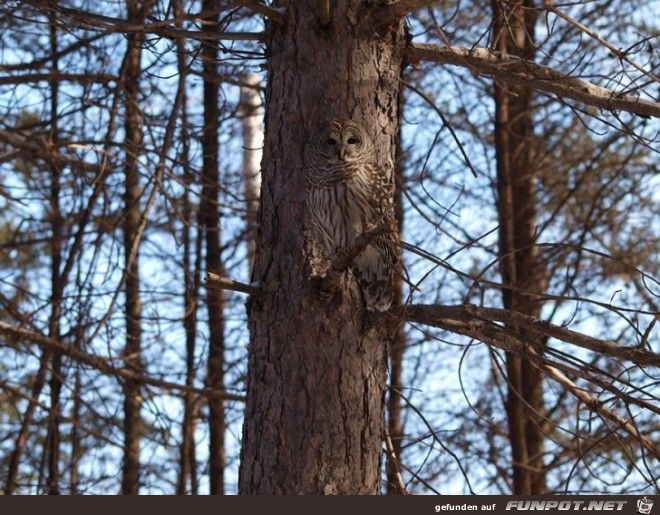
(342, 142)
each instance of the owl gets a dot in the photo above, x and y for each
(348, 194)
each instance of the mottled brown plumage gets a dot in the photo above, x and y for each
(348, 194)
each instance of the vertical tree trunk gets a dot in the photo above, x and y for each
(253, 140)
(132, 354)
(21, 439)
(316, 369)
(57, 286)
(210, 221)
(513, 29)
(76, 447)
(397, 349)
(192, 272)
(394, 408)
(47, 359)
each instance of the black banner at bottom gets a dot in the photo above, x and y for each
(376, 505)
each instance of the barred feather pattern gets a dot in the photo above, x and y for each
(348, 194)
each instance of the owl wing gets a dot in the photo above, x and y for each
(374, 267)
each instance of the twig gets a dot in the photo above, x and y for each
(342, 260)
(445, 123)
(467, 320)
(393, 12)
(263, 9)
(225, 283)
(600, 408)
(618, 53)
(466, 313)
(163, 28)
(401, 486)
(105, 366)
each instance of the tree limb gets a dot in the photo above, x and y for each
(343, 259)
(615, 51)
(478, 323)
(263, 9)
(448, 316)
(225, 283)
(80, 78)
(160, 28)
(515, 70)
(104, 366)
(393, 12)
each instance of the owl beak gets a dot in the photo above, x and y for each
(342, 154)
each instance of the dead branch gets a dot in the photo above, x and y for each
(104, 366)
(615, 51)
(79, 78)
(225, 283)
(342, 260)
(475, 323)
(161, 28)
(519, 71)
(446, 316)
(263, 9)
(393, 12)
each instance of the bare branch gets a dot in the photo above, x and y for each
(512, 69)
(80, 78)
(601, 409)
(401, 486)
(446, 316)
(263, 9)
(162, 28)
(343, 259)
(103, 365)
(618, 53)
(390, 13)
(468, 320)
(224, 283)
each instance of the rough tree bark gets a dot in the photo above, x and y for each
(133, 350)
(513, 34)
(316, 370)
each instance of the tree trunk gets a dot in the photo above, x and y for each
(210, 221)
(397, 350)
(316, 369)
(514, 34)
(192, 278)
(76, 445)
(57, 286)
(253, 140)
(132, 354)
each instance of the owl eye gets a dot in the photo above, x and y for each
(331, 141)
(353, 141)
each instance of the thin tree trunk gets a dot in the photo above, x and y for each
(47, 360)
(397, 349)
(192, 275)
(252, 123)
(210, 221)
(56, 244)
(38, 383)
(514, 34)
(76, 447)
(316, 369)
(132, 354)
